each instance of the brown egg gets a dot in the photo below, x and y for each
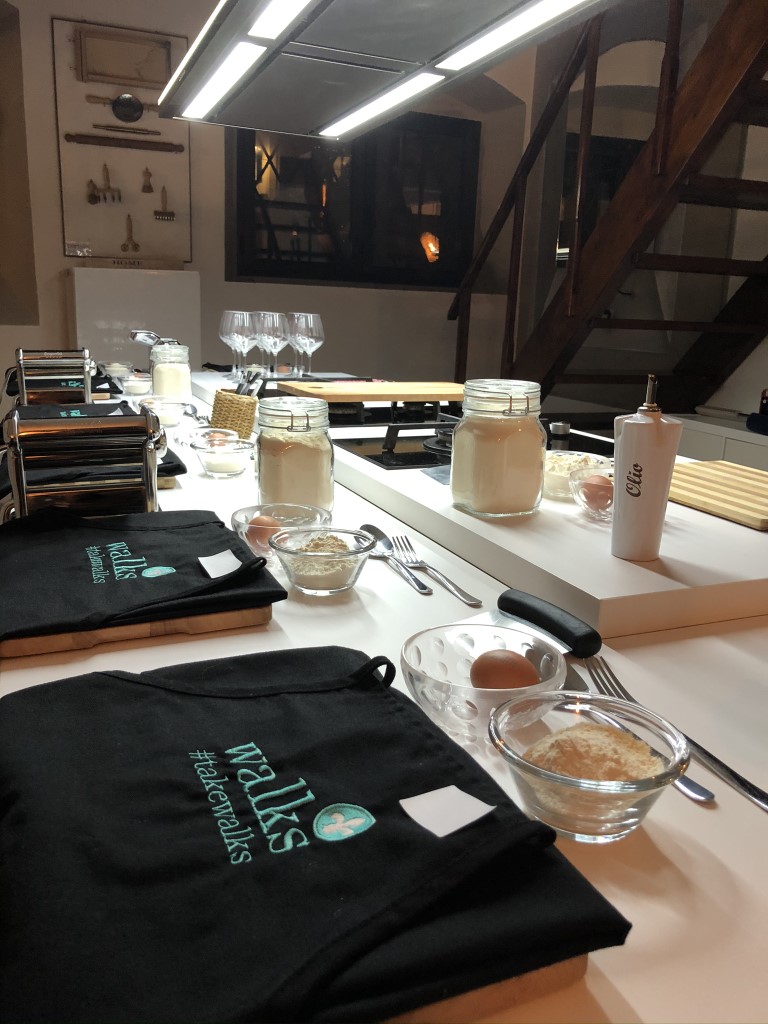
(502, 670)
(260, 529)
(597, 492)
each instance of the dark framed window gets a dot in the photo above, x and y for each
(394, 207)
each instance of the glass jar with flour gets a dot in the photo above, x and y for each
(295, 454)
(497, 465)
(171, 375)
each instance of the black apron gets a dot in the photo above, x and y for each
(223, 842)
(60, 572)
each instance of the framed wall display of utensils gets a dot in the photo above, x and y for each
(107, 82)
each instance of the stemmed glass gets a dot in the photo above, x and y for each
(235, 330)
(309, 336)
(271, 333)
(294, 340)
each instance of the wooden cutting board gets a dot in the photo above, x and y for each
(737, 493)
(376, 390)
(19, 647)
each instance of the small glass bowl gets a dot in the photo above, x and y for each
(436, 665)
(286, 515)
(322, 560)
(586, 809)
(212, 436)
(117, 369)
(168, 411)
(136, 384)
(592, 496)
(558, 465)
(226, 458)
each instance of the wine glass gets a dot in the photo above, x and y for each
(294, 340)
(309, 336)
(234, 330)
(271, 334)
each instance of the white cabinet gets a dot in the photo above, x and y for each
(707, 439)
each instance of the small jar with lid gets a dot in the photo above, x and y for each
(497, 465)
(171, 375)
(294, 452)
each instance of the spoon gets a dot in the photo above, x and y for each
(385, 550)
(191, 410)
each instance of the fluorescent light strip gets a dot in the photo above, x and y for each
(401, 93)
(188, 55)
(276, 17)
(239, 59)
(533, 17)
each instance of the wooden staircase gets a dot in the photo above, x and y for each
(723, 86)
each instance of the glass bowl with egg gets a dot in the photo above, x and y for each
(590, 766)
(592, 489)
(255, 524)
(558, 466)
(459, 673)
(322, 560)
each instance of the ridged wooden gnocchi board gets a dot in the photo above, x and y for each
(19, 647)
(725, 489)
(376, 390)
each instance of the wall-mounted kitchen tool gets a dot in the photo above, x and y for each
(107, 191)
(125, 107)
(104, 140)
(129, 244)
(76, 438)
(121, 128)
(164, 213)
(54, 377)
(93, 195)
(147, 182)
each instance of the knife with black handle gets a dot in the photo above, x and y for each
(582, 639)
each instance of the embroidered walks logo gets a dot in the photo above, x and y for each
(118, 561)
(276, 805)
(342, 821)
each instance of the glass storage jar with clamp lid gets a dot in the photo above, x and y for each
(171, 374)
(294, 452)
(497, 465)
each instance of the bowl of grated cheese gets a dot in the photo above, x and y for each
(590, 766)
(558, 466)
(322, 560)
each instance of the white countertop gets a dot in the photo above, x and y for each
(709, 569)
(691, 880)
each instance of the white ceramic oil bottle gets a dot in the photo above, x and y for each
(646, 446)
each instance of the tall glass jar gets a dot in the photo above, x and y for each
(295, 454)
(171, 375)
(497, 465)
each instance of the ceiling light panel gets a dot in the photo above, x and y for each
(394, 97)
(238, 61)
(276, 18)
(530, 19)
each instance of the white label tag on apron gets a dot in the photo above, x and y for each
(220, 565)
(445, 810)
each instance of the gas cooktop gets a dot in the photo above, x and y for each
(399, 449)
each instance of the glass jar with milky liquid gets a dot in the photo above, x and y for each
(171, 374)
(294, 452)
(497, 465)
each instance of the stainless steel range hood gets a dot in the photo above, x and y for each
(338, 55)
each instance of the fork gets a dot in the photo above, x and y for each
(608, 685)
(615, 688)
(406, 553)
